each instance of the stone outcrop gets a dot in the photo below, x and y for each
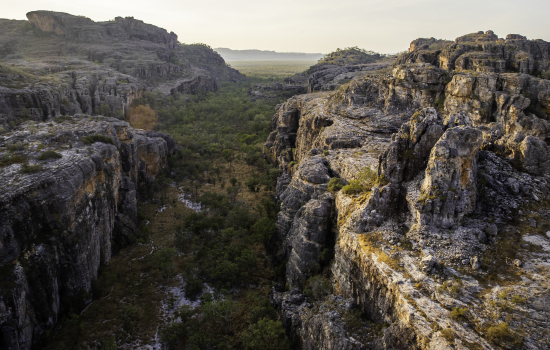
(449, 188)
(102, 92)
(60, 219)
(459, 149)
(483, 52)
(319, 327)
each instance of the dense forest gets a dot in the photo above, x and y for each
(211, 240)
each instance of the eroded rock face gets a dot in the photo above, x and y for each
(57, 225)
(449, 188)
(463, 175)
(318, 327)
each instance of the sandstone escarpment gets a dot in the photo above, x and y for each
(62, 214)
(60, 64)
(483, 52)
(448, 243)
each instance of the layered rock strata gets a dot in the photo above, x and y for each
(60, 216)
(447, 243)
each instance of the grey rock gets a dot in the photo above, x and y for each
(475, 262)
(59, 225)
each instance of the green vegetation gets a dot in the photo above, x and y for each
(49, 155)
(271, 70)
(335, 184)
(9, 159)
(448, 334)
(63, 118)
(367, 179)
(498, 332)
(88, 140)
(31, 169)
(458, 313)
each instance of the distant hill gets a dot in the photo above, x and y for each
(261, 55)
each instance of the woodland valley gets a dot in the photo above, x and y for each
(156, 196)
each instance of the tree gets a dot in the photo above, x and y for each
(221, 312)
(142, 117)
(232, 192)
(164, 259)
(253, 183)
(228, 155)
(265, 335)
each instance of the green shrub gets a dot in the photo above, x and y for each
(49, 155)
(354, 187)
(31, 169)
(63, 118)
(448, 334)
(367, 179)
(335, 184)
(292, 164)
(458, 313)
(518, 299)
(16, 147)
(498, 332)
(9, 159)
(88, 140)
(545, 75)
(326, 152)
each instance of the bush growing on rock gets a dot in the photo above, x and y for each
(367, 179)
(31, 169)
(335, 184)
(88, 140)
(49, 155)
(498, 332)
(458, 313)
(9, 159)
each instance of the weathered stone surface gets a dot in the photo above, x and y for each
(57, 225)
(308, 236)
(484, 52)
(318, 327)
(449, 188)
(464, 180)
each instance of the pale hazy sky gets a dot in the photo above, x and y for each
(386, 26)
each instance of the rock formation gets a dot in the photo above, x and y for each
(458, 138)
(61, 216)
(59, 64)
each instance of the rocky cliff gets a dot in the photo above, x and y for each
(60, 64)
(68, 194)
(445, 240)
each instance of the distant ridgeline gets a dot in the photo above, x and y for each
(261, 55)
(347, 56)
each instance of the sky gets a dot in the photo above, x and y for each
(314, 26)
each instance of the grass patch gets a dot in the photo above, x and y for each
(273, 70)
